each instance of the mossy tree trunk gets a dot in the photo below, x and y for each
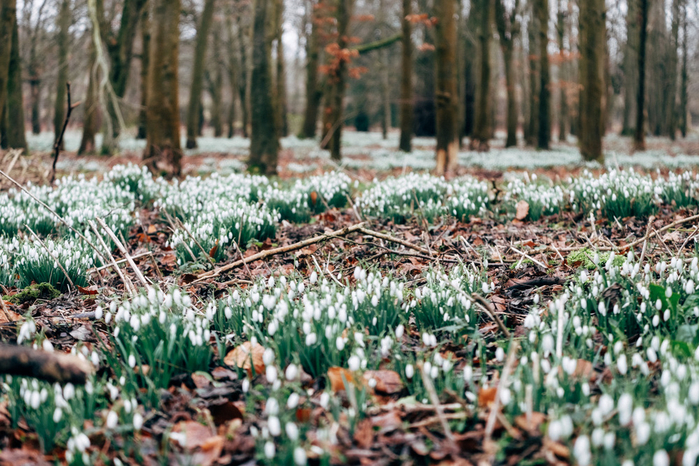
(90, 107)
(200, 49)
(446, 87)
(264, 145)
(683, 116)
(8, 15)
(592, 51)
(163, 126)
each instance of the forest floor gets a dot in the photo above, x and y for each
(497, 318)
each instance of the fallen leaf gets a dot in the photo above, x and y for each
(90, 290)
(536, 420)
(151, 229)
(556, 448)
(225, 412)
(221, 373)
(248, 357)
(486, 396)
(213, 250)
(7, 315)
(195, 435)
(335, 375)
(387, 382)
(522, 210)
(387, 421)
(364, 433)
(23, 456)
(201, 380)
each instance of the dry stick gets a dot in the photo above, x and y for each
(59, 140)
(112, 262)
(558, 252)
(434, 399)
(72, 285)
(5, 310)
(271, 252)
(49, 366)
(662, 241)
(320, 269)
(525, 255)
(245, 264)
(82, 237)
(123, 250)
(393, 239)
(511, 357)
(18, 152)
(645, 240)
(488, 308)
(696, 228)
(656, 232)
(120, 261)
(178, 223)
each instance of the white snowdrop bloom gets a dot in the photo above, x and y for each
(293, 401)
(621, 364)
(399, 331)
(270, 450)
(57, 415)
(271, 374)
(245, 385)
(268, 356)
(605, 404)
(642, 433)
(292, 431)
(324, 400)
(47, 346)
(112, 420)
(499, 354)
(581, 450)
(272, 407)
(69, 391)
(625, 407)
(311, 339)
(569, 365)
(314, 277)
(274, 426)
(300, 458)
(652, 355)
(409, 371)
(132, 361)
(354, 363)
(505, 396)
(340, 343)
(547, 344)
(468, 374)
(661, 458)
(291, 372)
(137, 421)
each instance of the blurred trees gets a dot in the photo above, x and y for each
(445, 85)
(592, 48)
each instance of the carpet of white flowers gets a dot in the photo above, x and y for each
(578, 348)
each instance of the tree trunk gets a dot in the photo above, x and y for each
(145, 53)
(508, 29)
(562, 79)
(193, 107)
(280, 83)
(8, 14)
(544, 130)
(64, 20)
(244, 76)
(90, 107)
(313, 90)
(214, 79)
(445, 88)
(592, 51)
(469, 89)
(640, 135)
(683, 117)
(163, 127)
(264, 144)
(482, 130)
(337, 79)
(233, 70)
(534, 79)
(630, 64)
(406, 80)
(14, 110)
(671, 85)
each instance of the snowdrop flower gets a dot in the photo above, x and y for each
(581, 450)
(271, 374)
(272, 407)
(270, 450)
(292, 431)
(293, 401)
(57, 415)
(291, 372)
(314, 277)
(137, 421)
(311, 339)
(354, 363)
(274, 426)
(324, 400)
(661, 458)
(112, 420)
(499, 354)
(409, 371)
(300, 456)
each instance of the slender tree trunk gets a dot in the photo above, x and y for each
(14, 110)
(512, 111)
(445, 88)
(90, 107)
(683, 117)
(193, 107)
(592, 51)
(64, 20)
(233, 70)
(670, 113)
(406, 80)
(264, 145)
(534, 76)
(482, 130)
(640, 135)
(215, 84)
(313, 90)
(562, 78)
(163, 128)
(280, 83)
(469, 97)
(145, 54)
(544, 130)
(385, 95)
(8, 15)
(243, 89)
(629, 66)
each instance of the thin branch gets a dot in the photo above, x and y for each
(495, 408)
(488, 308)
(393, 239)
(123, 250)
(59, 141)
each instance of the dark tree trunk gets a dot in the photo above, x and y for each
(445, 88)
(214, 78)
(194, 105)
(244, 75)
(592, 51)
(469, 86)
(8, 14)
(508, 29)
(640, 134)
(406, 81)
(90, 107)
(683, 117)
(145, 53)
(544, 127)
(64, 20)
(233, 70)
(482, 130)
(630, 69)
(264, 145)
(562, 74)
(670, 113)
(313, 89)
(280, 83)
(163, 127)
(534, 76)
(14, 110)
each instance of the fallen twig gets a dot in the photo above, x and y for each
(495, 408)
(527, 256)
(123, 250)
(656, 232)
(393, 239)
(44, 365)
(488, 308)
(59, 141)
(434, 399)
(645, 240)
(112, 262)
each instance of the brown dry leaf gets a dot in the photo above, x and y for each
(168, 259)
(151, 229)
(241, 357)
(536, 421)
(388, 420)
(90, 290)
(675, 237)
(387, 382)
(583, 370)
(24, 456)
(6, 314)
(335, 375)
(195, 435)
(486, 396)
(364, 433)
(556, 448)
(224, 412)
(201, 381)
(210, 451)
(221, 373)
(522, 210)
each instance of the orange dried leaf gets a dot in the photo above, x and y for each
(248, 357)
(522, 210)
(336, 376)
(486, 396)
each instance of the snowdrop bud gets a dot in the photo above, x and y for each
(268, 356)
(132, 361)
(274, 426)
(324, 400)
(499, 354)
(246, 385)
(354, 363)
(409, 371)
(292, 431)
(137, 421)
(271, 374)
(57, 415)
(300, 456)
(293, 401)
(291, 372)
(314, 277)
(270, 450)
(399, 331)
(112, 420)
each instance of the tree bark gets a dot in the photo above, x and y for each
(592, 51)
(640, 135)
(406, 80)
(280, 83)
(64, 20)
(482, 129)
(8, 14)
(264, 145)
(671, 85)
(508, 30)
(214, 78)
(163, 128)
(534, 75)
(683, 117)
(52, 367)
(90, 107)
(313, 90)
(193, 107)
(244, 76)
(562, 79)
(445, 88)
(14, 110)
(630, 69)
(544, 129)
(233, 70)
(145, 54)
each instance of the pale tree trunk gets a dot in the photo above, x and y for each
(446, 86)
(264, 145)
(90, 107)
(406, 80)
(145, 53)
(233, 70)
(214, 78)
(313, 89)
(683, 117)
(200, 49)
(14, 110)
(482, 129)
(592, 52)
(64, 20)
(640, 133)
(244, 76)
(544, 129)
(337, 80)
(163, 128)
